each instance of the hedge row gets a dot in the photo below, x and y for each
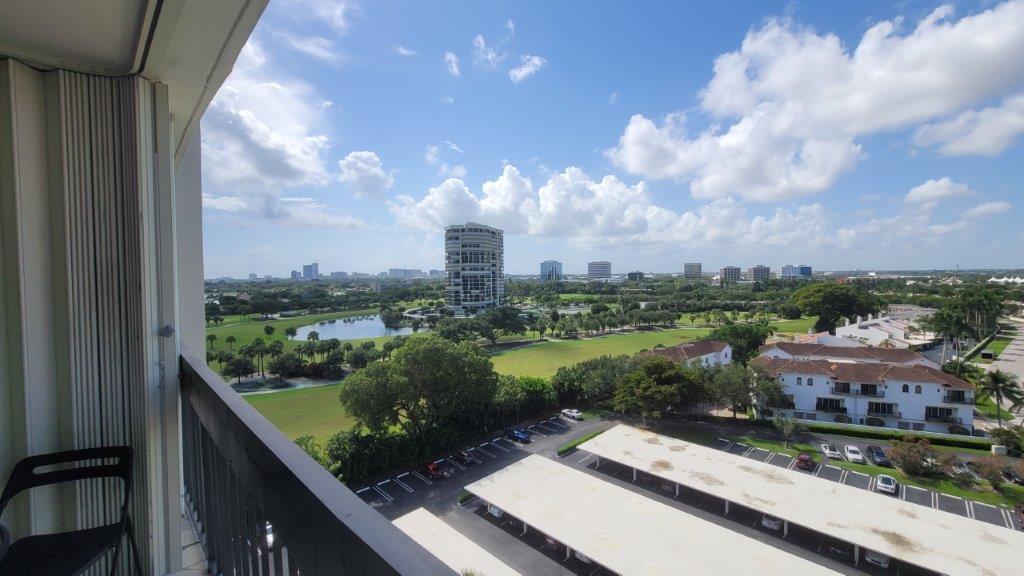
(892, 434)
(572, 444)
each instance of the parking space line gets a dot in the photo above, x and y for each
(422, 477)
(384, 494)
(535, 430)
(749, 450)
(903, 491)
(768, 457)
(969, 506)
(585, 458)
(403, 484)
(843, 475)
(935, 499)
(500, 447)
(792, 464)
(439, 460)
(456, 464)
(817, 471)
(871, 484)
(481, 449)
(361, 490)
(1007, 518)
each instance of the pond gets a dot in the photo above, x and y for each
(352, 328)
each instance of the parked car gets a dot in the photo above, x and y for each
(805, 462)
(830, 452)
(583, 558)
(838, 549)
(463, 458)
(572, 413)
(518, 435)
(885, 483)
(877, 456)
(1012, 476)
(880, 560)
(771, 522)
(431, 471)
(853, 454)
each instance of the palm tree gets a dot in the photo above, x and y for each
(290, 332)
(1000, 386)
(951, 324)
(210, 339)
(231, 341)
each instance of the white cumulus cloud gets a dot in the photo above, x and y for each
(783, 113)
(984, 132)
(933, 191)
(988, 209)
(405, 52)
(363, 172)
(451, 63)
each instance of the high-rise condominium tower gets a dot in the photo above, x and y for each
(474, 265)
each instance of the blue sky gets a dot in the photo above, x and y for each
(842, 135)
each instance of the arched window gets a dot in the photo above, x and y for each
(799, 381)
(906, 388)
(810, 381)
(917, 389)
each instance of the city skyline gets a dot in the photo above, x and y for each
(329, 143)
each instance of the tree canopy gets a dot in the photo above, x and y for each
(831, 302)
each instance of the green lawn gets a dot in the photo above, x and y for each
(997, 345)
(544, 358)
(795, 326)
(316, 411)
(987, 407)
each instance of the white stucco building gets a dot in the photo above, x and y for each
(704, 352)
(474, 266)
(845, 353)
(886, 331)
(910, 396)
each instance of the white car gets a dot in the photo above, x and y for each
(886, 484)
(572, 413)
(771, 522)
(880, 560)
(830, 451)
(853, 454)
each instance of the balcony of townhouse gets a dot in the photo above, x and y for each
(830, 408)
(958, 397)
(943, 418)
(881, 413)
(845, 389)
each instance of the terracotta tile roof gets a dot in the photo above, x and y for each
(860, 372)
(891, 355)
(690, 350)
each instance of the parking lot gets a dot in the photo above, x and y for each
(997, 515)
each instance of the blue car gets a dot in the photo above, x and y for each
(518, 435)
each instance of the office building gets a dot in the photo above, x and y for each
(253, 276)
(635, 276)
(310, 271)
(436, 273)
(692, 270)
(550, 271)
(474, 257)
(791, 272)
(600, 270)
(296, 275)
(339, 275)
(759, 273)
(405, 273)
(729, 274)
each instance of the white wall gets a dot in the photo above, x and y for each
(189, 223)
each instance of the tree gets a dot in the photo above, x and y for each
(732, 386)
(649, 388)
(913, 455)
(831, 302)
(210, 339)
(231, 342)
(310, 446)
(238, 367)
(745, 339)
(505, 320)
(790, 311)
(951, 324)
(787, 427)
(991, 468)
(287, 365)
(358, 357)
(373, 395)
(457, 329)
(290, 332)
(1001, 386)
(268, 330)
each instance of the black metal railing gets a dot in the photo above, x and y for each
(884, 414)
(958, 399)
(263, 506)
(856, 392)
(830, 408)
(944, 418)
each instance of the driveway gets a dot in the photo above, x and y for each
(1012, 361)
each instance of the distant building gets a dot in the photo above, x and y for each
(474, 257)
(405, 273)
(600, 270)
(253, 276)
(310, 271)
(729, 274)
(791, 272)
(703, 352)
(759, 273)
(692, 270)
(436, 273)
(296, 275)
(550, 271)
(339, 275)
(635, 276)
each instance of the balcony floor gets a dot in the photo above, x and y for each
(193, 557)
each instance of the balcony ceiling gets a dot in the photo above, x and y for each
(94, 36)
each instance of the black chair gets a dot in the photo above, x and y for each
(70, 553)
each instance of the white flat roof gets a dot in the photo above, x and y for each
(929, 538)
(626, 532)
(449, 545)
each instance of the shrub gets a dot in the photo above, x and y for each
(991, 468)
(873, 421)
(572, 444)
(913, 455)
(895, 434)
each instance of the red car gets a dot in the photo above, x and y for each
(431, 470)
(805, 462)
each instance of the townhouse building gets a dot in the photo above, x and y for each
(705, 352)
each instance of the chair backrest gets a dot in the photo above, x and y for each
(24, 475)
